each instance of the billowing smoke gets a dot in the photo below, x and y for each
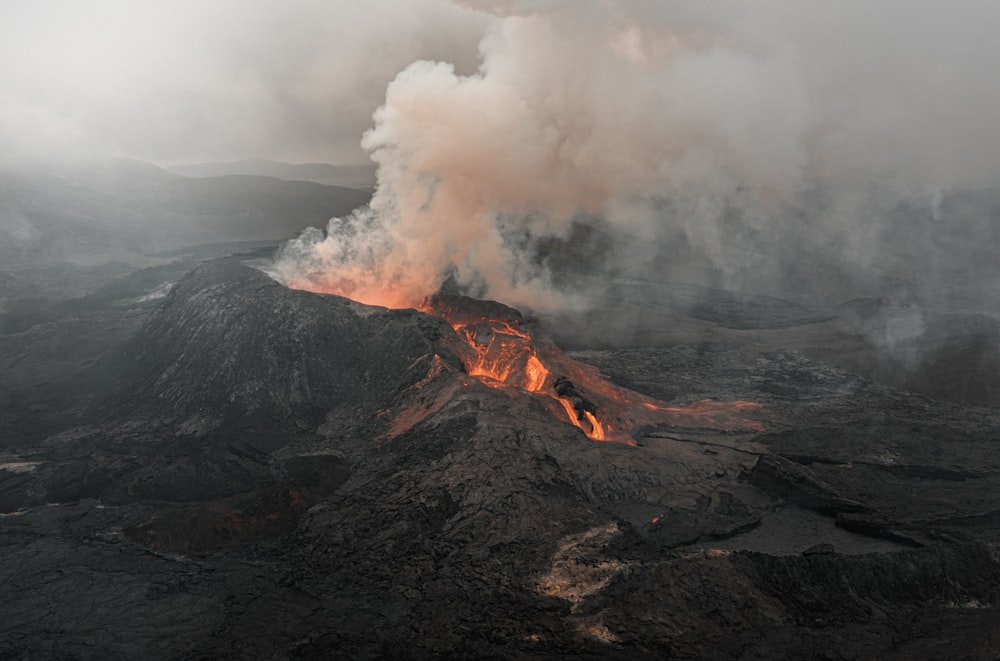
(748, 133)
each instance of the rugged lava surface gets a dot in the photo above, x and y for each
(266, 473)
(499, 346)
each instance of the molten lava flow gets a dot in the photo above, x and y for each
(501, 352)
(498, 346)
(596, 430)
(592, 430)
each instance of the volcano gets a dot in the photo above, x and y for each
(258, 471)
(497, 345)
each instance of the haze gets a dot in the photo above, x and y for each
(731, 144)
(185, 81)
(195, 81)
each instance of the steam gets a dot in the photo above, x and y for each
(729, 128)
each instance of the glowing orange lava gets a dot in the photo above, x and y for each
(501, 349)
(386, 297)
(503, 354)
(597, 431)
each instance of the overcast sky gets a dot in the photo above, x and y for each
(815, 84)
(174, 81)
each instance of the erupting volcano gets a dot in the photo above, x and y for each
(501, 348)
(500, 329)
(497, 346)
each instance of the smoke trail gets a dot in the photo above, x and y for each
(717, 123)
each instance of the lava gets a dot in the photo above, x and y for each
(499, 347)
(501, 352)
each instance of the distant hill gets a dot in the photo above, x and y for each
(350, 176)
(94, 212)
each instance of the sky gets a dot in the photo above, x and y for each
(193, 80)
(190, 80)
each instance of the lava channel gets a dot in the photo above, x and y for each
(500, 348)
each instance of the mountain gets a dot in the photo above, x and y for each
(351, 176)
(299, 356)
(252, 471)
(125, 210)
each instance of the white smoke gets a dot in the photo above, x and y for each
(613, 108)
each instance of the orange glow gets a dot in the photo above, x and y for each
(536, 374)
(503, 354)
(597, 431)
(500, 348)
(385, 297)
(592, 429)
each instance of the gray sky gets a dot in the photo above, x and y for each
(191, 80)
(778, 87)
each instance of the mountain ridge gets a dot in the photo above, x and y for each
(351, 176)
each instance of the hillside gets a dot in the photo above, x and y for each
(352, 176)
(124, 210)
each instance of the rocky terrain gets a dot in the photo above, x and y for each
(198, 462)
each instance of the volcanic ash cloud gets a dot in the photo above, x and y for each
(609, 109)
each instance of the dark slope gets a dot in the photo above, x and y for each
(230, 343)
(265, 473)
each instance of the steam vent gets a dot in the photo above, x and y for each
(266, 472)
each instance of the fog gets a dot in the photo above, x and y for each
(192, 81)
(819, 152)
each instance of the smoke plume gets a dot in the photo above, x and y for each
(750, 133)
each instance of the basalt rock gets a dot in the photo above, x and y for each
(232, 347)
(268, 473)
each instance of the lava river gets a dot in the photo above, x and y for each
(500, 348)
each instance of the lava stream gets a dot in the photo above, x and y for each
(500, 348)
(502, 354)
